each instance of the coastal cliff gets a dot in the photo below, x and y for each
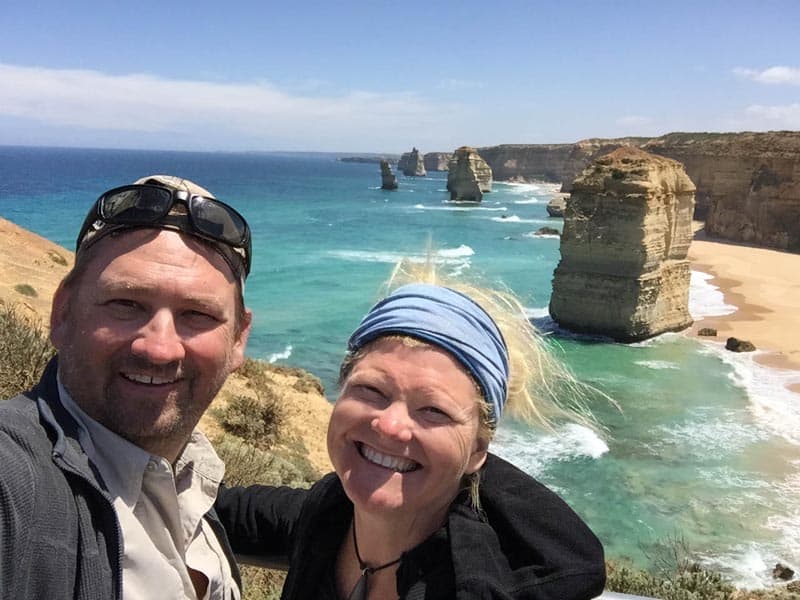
(624, 271)
(437, 161)
(748, 184)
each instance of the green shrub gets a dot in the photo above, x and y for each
(257, 420)
(26, 290)
(245, 464)
(57, 258)
(261, 584)
(24, 351)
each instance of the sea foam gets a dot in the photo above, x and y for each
(706, 299)
(448, 256)
(287, 352)
(461, 207)
(540, 187)
(532, 452)
(516, 219)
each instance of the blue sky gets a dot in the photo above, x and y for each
(378, 76)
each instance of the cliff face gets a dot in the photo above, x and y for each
(529, 162)
(437, 161)
(748, 184)
(411, 164)
(623, 271)
(469, 176)
(560, 163)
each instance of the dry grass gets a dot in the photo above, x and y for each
(24, 350)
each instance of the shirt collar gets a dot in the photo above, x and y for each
(122, 464)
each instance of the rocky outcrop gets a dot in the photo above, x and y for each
(527, 162)
(411, 164)
(748, 184)
(557, 204)
(560, 163)
(623, 271)
(736, 345)
(388, 179)
(437, 161)
(469, 176)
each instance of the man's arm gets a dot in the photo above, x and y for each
(259, 521)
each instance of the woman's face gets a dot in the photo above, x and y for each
(404, 430)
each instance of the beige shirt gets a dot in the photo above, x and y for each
(160, 512)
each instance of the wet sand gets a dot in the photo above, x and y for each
(764, 285)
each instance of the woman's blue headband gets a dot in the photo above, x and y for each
(450, 320)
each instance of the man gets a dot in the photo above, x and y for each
(106, 488)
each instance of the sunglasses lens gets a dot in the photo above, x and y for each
(218, 221)
(136, 205)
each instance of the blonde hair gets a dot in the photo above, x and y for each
(541, 389)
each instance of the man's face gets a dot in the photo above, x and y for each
(147, 335)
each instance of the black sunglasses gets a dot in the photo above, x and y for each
(140, 205)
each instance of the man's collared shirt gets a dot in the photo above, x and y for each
(160, 512)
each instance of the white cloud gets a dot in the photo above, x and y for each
(772, 75)
(785, 116)
(144, 103)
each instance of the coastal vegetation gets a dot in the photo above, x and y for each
(251, 431)
(26, 289)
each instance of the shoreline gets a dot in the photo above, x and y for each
(764, 286)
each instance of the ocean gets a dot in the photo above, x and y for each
(706, 447)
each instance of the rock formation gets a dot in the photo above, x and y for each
(469, 176)
(623, 271)
(437, 161)
(388, 179)
(549, 162)
(557, 204)
(748, 184)
(736, 345)
(411, 164)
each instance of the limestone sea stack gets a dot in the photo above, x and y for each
(388, 179)
(623, 271)
(411, 164)
(469, 176)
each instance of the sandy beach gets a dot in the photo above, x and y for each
(764, 285)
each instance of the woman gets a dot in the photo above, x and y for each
(417, 507)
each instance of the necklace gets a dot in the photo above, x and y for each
(360, 589)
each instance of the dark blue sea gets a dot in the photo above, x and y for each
(706, 447)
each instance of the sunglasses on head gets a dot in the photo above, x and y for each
(141, 205)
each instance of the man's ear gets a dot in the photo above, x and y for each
(239, 345)
(59, 316)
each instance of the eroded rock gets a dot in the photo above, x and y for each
(388, 179)
(469, 177)
(411, 164)
(623, 271)
(736, 345)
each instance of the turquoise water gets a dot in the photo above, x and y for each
(707, 444)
